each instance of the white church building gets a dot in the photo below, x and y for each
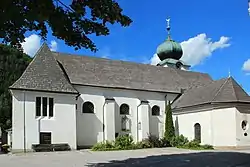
(82, 100)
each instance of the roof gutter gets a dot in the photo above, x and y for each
(34, 90)
(177, 97)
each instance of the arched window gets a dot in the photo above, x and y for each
(155, 110)
(124, 109)
(197, 132)
(88, 107)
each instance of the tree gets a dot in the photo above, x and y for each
(71, 23)
(169, 126)
(12, 65)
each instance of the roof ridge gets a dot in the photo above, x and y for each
(62, 72)
(235, 94)
(29, 65)
(123, 61)
(233, 85)
(219, 90)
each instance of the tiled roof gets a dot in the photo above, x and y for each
(44, 74)
(58, 72)
(220, 91)
(93, 71)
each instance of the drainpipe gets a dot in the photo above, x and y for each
(24, 120)
(137, 118)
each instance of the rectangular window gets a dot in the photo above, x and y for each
(45, 137)
(38, 106)
(45, 103)
(51, 107)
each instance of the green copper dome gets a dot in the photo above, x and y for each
(169, 49)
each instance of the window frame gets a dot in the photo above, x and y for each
(124, 113)
(158, 112)
(88, 109)
(44, 106)
(45, 109)
(197, 132)
(51, 108)
(38, 107)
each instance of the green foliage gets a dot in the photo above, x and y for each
(103, 146)
(12, 65)
(169, 126)
(155, 141)
(207, 147)
(191, 144)
(125, 142)
(72, 23)
(182, 142)
(178, 141)
(143, 144)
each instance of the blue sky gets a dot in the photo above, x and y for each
(198, 23)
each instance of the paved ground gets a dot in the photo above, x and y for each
(168, 157)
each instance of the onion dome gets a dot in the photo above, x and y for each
(169, 48)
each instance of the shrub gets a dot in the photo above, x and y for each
(207, 147)
(169, 126)
(178, 141)
(165, 142)
(103, 146)
(192, 144)
(154, 141)
(143, 144)
(124, 142)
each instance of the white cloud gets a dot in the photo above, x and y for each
(246, 66)
(53, 45)
(155, 59)
(198, 48)
(32, 44)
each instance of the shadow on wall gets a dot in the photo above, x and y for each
(202, 159)
(117, 119)
(154, 125)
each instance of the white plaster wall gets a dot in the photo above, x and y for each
(62, 125)
(157, 123)
(242, 113)
(89, 126)
(217, 125)
(223, 127)
(186, 122)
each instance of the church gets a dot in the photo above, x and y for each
(81, 100)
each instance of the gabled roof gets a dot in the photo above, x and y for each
(220, 91)
(44, 74)
(93, 71)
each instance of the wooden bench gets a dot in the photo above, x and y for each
(50, 147)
